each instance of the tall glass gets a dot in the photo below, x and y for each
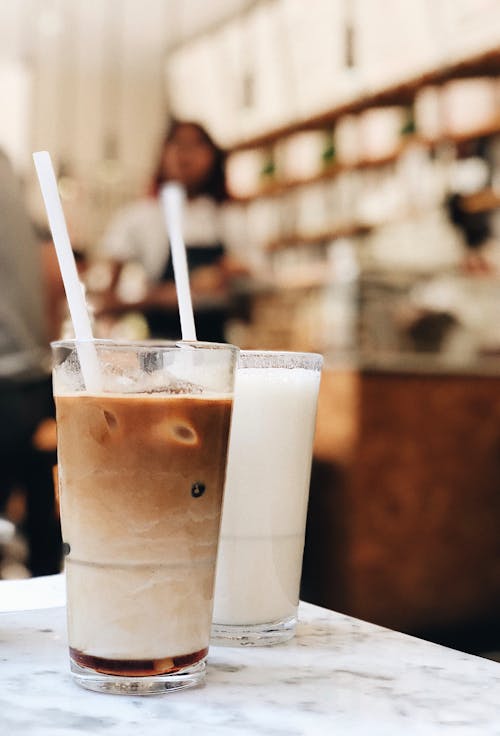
(141, 476)
(265, 503)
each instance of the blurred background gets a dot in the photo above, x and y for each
(360, 141)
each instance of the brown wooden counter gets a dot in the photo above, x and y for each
(404, 516)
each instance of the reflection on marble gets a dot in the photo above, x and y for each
(339, 676)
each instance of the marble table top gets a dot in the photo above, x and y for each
(338, 676)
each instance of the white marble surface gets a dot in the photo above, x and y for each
(32, 595)
(339, 676)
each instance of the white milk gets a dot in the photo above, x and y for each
(266, 494)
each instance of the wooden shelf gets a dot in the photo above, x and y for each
(350, 231)
(484, 201)
(403, 93)
(492, 129)
(277, 188)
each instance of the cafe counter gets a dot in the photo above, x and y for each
(339, 675)
(404, 512)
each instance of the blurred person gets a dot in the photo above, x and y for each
(476, 231)
(138, 234)
(27, 440)
(472, 219)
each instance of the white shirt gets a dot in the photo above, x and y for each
(138, 232)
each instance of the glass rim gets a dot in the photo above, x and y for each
(279, 359)
(153, 345)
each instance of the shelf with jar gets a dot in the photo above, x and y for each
(371, 175)
(271, 186)
(483, 201)
(485, 64)
(370, 187)
(358, 205)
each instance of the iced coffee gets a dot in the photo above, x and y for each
(141, 475)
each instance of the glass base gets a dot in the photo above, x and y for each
(256, 635)
(149, 685)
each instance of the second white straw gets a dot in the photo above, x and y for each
(87, 353)
(172, 198)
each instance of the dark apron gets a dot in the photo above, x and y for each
(209, 321)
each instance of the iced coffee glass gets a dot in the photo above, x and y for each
(141, 475)
(265, 504)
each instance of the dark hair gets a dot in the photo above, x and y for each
(215, 184)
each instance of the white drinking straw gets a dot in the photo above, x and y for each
(87, 353)
(172, 198)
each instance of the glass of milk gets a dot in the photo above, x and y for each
(266, 493)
